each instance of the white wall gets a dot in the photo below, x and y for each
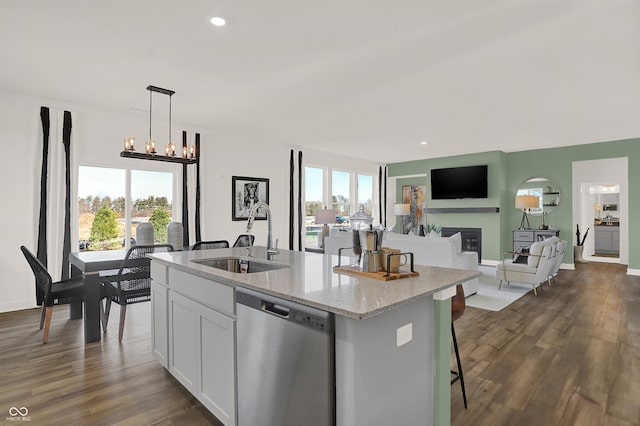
(97, 140)
(18, 215)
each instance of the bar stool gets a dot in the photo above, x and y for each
(457, 309)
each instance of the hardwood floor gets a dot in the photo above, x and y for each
(103, 383)
(570, 356)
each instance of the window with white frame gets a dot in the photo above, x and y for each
(109, 209)
(341, 190)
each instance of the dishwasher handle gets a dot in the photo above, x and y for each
(275, 309)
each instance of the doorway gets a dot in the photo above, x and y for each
(600, 204)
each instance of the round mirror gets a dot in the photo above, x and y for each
(547, 191)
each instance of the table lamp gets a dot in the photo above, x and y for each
(526, 202)
(402, 210)
(323, 217)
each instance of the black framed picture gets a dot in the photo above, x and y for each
(245, 192)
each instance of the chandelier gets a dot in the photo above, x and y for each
(188, 154)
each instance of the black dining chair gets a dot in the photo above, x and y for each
(204, 245)
(244, 240)
(131, 284)
(51, 293)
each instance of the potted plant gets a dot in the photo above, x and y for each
(434, 230)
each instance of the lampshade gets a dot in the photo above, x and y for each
(325, 216)
(527, 202)
(402, 209)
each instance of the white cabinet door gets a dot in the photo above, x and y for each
(183, 339)
(216, 364)
(160, 323)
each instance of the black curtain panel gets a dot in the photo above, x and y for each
(197, 212)
(385, 196)
(185, 196)
(380, 194)
(300, 246)
(291, 199)
(42, 220)
(66, 244)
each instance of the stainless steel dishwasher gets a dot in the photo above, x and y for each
(285, 363)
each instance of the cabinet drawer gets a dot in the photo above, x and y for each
(523, 235)
(210, 293)
(521, 244)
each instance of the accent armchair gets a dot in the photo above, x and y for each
(540, 260)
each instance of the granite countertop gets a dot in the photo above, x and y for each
(310, 280)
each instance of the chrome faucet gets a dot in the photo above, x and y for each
(271, 250)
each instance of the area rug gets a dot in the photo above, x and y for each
(492, 299)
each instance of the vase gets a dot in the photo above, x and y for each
(144, 234)
(577, 254)
(174, 235)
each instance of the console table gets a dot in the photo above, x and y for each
(526, 237)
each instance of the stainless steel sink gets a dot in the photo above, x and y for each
(239, 264)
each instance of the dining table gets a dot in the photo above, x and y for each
(92, 264)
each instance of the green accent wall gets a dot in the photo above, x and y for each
(489, 222)
(507, 171)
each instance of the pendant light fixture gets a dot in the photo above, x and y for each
(189, 154)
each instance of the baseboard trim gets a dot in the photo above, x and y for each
(18, 305)
(633, 271)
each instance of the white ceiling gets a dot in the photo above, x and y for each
(368, 79)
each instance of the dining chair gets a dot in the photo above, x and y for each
(131, 284)
(204, 245)
(52, 293)
(244, 240)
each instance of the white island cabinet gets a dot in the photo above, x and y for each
(199, 324)
(392, 339)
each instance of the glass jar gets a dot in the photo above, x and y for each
(361, 220)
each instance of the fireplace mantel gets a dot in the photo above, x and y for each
(463, 209)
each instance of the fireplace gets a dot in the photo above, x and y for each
(471, 239)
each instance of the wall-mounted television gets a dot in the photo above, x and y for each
(459, 182)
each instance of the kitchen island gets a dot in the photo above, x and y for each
(392, 339)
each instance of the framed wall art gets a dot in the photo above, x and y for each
(415, 195)
(245, 192)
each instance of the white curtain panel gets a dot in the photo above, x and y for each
(55, 193)
(191, 194)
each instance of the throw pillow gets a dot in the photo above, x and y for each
(521, 259)
(456, 240)
(535, 249)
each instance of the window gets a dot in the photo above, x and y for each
(341, 193)
(107, 208)
(314, 198)
(341, 190)
(365, 193)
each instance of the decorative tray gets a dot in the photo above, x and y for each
(381, 275)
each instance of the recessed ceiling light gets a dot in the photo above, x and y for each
(218, 21)
(423, 143)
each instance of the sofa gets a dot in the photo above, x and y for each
(429, 251)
